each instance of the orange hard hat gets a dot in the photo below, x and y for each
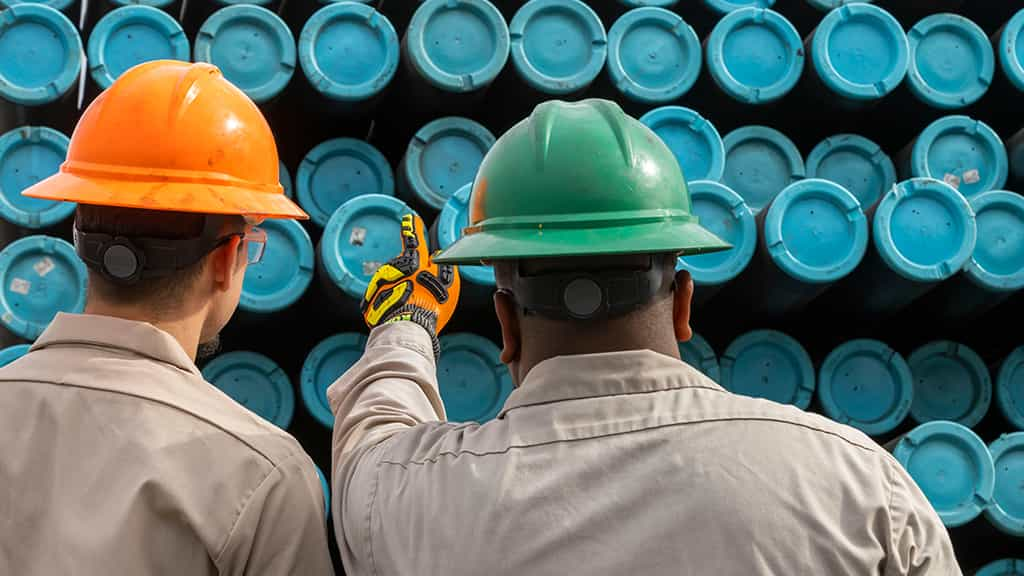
(172, 136)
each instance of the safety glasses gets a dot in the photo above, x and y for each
(255, 241)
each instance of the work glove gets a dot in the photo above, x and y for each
(411, 287)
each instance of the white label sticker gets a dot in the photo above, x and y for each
(44, 266)
(20, 286)
(952, 179)
(972, 176)
(357, 237)
(370, 267)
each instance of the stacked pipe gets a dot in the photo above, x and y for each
(865, 159)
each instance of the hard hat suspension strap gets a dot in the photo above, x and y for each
(593, 295)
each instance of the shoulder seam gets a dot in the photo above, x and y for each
(245, 506)
(455, 453)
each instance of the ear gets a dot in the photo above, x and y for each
(507, 311)
(225, 262)
(681, 299)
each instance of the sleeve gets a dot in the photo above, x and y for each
(919, 544)
(391, 389)
(282, 528)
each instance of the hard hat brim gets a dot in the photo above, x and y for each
(683, 238)
(169, 196)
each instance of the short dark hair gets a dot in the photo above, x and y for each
(162, 292)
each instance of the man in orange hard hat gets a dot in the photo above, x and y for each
(116, 457)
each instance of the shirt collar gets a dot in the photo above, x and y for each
(607, 374)
(140, 338)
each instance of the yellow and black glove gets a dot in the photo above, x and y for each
(411, 287)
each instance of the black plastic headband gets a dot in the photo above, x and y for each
(588, 296)
(125, 261)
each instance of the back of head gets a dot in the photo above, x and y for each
(582, 210)
(169, 164)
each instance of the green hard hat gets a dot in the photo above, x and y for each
(579, 179)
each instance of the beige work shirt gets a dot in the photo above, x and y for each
(627, 463)
(116, 457)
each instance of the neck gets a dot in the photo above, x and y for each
(546, 343)
(186, 329)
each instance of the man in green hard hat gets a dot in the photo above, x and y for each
(612, 456)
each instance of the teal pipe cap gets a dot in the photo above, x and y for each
(855, 163)
(771, 365)
(951, 382)
(953, 468)
(255, 382)
(39, 277)
(867, 385)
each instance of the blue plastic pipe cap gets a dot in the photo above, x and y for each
(1007, 510)
(474, 383)
(755, 55)
(827, 5)
(39, 276)
(722, 211)
(951, 382)
(154, 3)
(759, 163)
(348, 51)
(27, 155)
(558, 46)
(12, 353)
(281, 277)
(860, 51)
(457, 45)
(815, 231)
(867, 385)
(952, 467)
(255, 382)
(694, 141)
(855, 163)
(951, 61)
(1011, 50)
(442, 157)
(1004, 567)
(58, 5)
(40, 54)
(252, 46)
(998, 260)
(648, 3)
(361, 236)
(337, 171)
(769, 364)
(726, 6)
(653, 55)
(924, 230)
(698, 353)
(326, 489)
(285, 177)
(326, 363)
(454, 218)
(132, 35)
(1010, 389)
(962, 152)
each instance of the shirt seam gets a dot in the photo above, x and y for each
(369, 519)
(616, 394)
(892, 518)
(174, 407)
(455, 453)
(245, 506)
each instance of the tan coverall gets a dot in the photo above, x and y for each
(626, 463)
(116, 457)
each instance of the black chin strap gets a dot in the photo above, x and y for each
(593, 295)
